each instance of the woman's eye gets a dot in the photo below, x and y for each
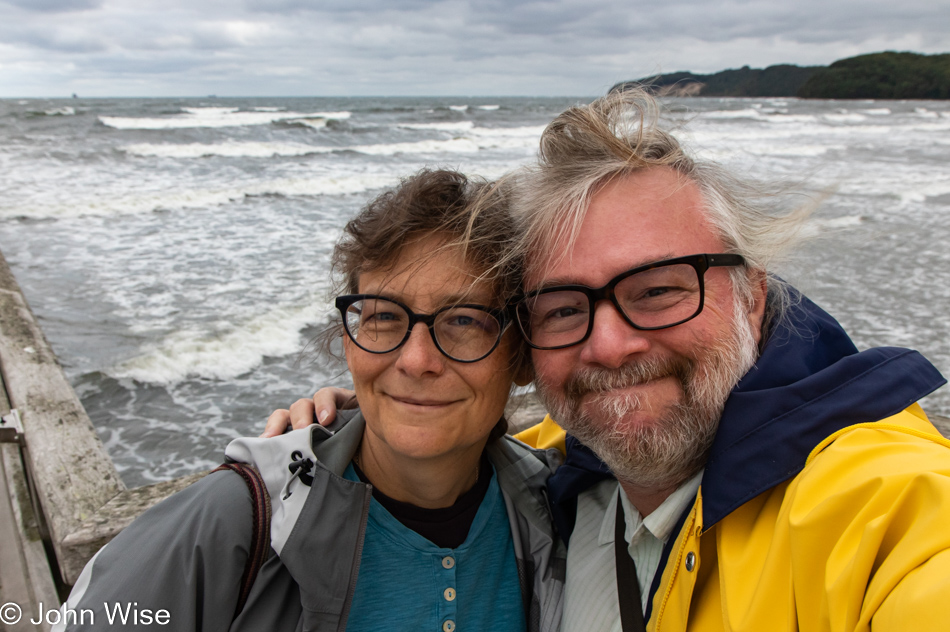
(380, 317)
(564, 312)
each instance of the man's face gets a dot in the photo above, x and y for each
(648, 402)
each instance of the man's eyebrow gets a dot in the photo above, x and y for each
(558, 281)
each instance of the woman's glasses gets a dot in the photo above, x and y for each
(464, 333)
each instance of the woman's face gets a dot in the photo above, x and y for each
(417, 402)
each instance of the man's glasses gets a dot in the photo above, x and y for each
(464, 333)
(655, 296)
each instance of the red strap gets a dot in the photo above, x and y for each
(260, 536)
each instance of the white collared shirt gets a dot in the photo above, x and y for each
(591, 603)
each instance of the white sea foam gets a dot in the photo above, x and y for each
(460, 126)
(794, 150)
(786, 119)
(220, 117)
(529, 131)
(458, 108)
(845, 118)
(845, 221)
(473, 140)
(877, 111)
(920, 191)
(230, 149)
(63, 111)
(455, 146)
(139, 201)
(732, 114)
(769, 116)
(821, 226)
(488, 107)
(227, 352)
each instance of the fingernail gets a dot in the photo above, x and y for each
(323, 415)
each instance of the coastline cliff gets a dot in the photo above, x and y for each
(886, 75)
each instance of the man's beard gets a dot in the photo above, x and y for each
(669, 449)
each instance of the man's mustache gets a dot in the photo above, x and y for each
(595, 381)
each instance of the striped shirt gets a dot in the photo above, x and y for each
(591, 603)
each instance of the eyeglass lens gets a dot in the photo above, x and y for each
(461, 333)
(654, 298)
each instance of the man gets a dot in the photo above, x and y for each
(773, 477)
(768, 476)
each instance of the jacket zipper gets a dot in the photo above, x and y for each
(364, 518)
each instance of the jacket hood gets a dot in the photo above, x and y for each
(809, 382)
(286, 464)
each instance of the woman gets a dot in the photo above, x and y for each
(417, 514)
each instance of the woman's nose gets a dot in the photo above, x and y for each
(419, 355)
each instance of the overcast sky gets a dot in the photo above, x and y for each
(419, 47)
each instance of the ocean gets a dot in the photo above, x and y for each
(176, 251)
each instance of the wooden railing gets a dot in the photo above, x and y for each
(63, 486)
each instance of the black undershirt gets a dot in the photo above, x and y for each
(446, 527)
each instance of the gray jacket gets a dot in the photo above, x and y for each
(186, 555)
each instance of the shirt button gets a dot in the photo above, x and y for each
(690, 561)
(448, 626)
(448, 562)
(449, 594)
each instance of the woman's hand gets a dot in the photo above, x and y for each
(304, 412)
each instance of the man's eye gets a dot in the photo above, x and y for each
(655, 291)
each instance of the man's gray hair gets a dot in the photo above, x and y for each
(588, 146)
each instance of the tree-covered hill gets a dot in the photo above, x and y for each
(886, 75)
(775, 81)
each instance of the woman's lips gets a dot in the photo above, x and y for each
(427, 403)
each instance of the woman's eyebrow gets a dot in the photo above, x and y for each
(483, 298)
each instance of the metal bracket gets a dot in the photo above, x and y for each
(10, 427)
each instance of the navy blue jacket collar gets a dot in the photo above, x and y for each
(809, 382)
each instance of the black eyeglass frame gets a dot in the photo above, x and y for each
(501, 315)
(700, 263)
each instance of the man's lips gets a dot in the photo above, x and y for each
(629, 387)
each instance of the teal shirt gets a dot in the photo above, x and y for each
(408, 583)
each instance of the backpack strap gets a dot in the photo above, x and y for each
(260, 535)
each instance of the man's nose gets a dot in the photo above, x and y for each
(419, 355)
(612, 341)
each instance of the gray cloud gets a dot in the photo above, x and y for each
(55, 6)
(394, 47)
